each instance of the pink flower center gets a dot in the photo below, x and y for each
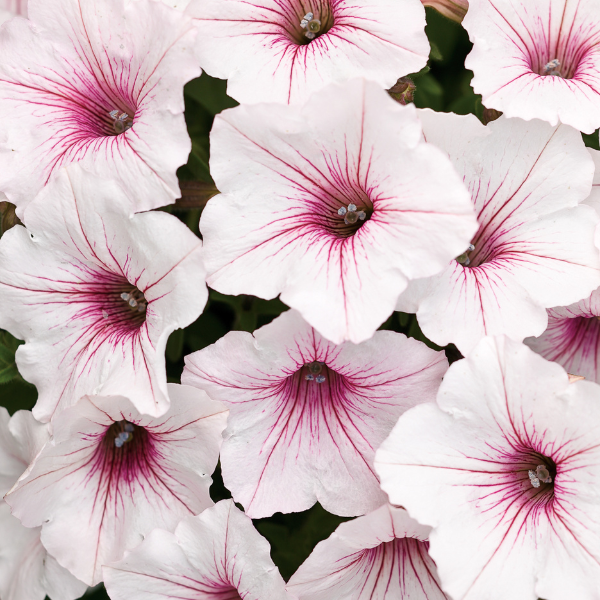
(304, 22)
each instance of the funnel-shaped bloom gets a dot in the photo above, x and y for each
(572, 338)
(306, 416)
(98, 81)
(535, 245)
(217, 555)
(27, 571)
(506, 469)
(95, 294)
(110, 475)
(381, 556)
(284, 50)
(537, 60)
(324, 205)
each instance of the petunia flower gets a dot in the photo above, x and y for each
(100, 82)
(284, 50)
(506, 469)
(324, 205)
(537, 60)
(27, 571)
(453, 9)
(217, 555)
(95, 294)
(381, 556)
(306, 416)
(535, 245)
(110, 475)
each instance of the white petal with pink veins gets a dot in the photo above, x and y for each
(505, 468)
(96, 294)
(307, 415)
(217, 555)
(536, 246)
(110, 475)
(381, 556)
(67, 69)
(537, 60)
(27, 571)
(270, 52)
(289, 176)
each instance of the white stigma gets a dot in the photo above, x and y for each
(553, 68)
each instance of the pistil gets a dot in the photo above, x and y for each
(121, 121)
(312, 26)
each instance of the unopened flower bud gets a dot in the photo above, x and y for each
(453, 9)
(403, 90)
(490, 114)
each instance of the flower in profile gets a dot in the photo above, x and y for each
(95, 294)
(324, 205)
(217, 555)
(105, 89)
(306, 416)
(285, 50)
(535, 245)
(537, 60)
(506, 469)
(453, 9)
(110, 475)
(382, 555)
(27, 571)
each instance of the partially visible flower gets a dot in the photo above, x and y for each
(326, 207)
(403, 90)
(535, 247)
(110, 475)
(537, 60)
(285, 50)
(101, 82)
(572, 337)
(453, 9)
(382, 556)
(95, 294)
(506, 469)
(217, 555)
(27, 571)
(306, 416)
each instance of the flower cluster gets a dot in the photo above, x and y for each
(458, 456)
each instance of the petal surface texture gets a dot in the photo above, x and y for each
(72, 64)
(535, 247)
(381, 556)
(95, 494)
(217, 555)
(286, 172)
(537, 60)
(306, 416)
(263, 50)
(96, 293)
(27, 571)
(506, 469)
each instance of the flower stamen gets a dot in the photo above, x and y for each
(464, 259)
(135, 299)
(314, 372)
(553, 68)
(312, 26)
(351, 215)
(539, 476)
(124, 436)
(121, 121)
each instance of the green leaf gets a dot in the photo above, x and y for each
(8, 366)
(429, 93)
(175, 345)
(211, 93)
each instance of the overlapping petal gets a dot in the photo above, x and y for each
(96, 494)
(11, 8)
(61, 75)
(537, 60)
(217, 555)
(27, 571)
(70, 286)
(381, 556)
(505, 468)
(535, 247)
(306, 415)
(261, 46)
(287, 172)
